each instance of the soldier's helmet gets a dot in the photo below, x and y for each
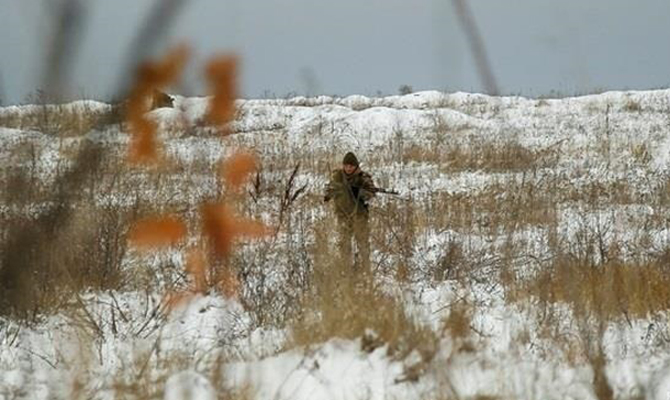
(350, 159)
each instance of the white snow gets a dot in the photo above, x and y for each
(189, 385)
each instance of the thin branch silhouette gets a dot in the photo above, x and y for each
(477, 47)
(2, 90)
(22, 254)
(68, 22)
(160, 19)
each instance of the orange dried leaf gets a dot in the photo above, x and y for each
(236, 170)
(221, 74)
(251, 229)
(157, 232)
(150, 77)
(156, 74)
(221, 228)
(144, 148)
(218, 227)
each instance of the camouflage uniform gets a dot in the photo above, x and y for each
(350, 198)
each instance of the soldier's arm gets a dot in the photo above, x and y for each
(332, 186)
(367, 189)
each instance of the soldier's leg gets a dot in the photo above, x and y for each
(345, 232)
(362, 234)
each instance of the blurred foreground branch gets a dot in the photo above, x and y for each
(161, 17)
(477, 47)
(25, 252)
(68, 22)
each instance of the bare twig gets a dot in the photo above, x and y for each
(257, 187)
(2, 90)
(290, 194)
(477, 47)
(160, 19)
(68, 19)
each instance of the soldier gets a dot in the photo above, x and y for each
(350, 189)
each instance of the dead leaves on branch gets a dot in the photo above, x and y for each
(203, 277)
(221, 228)
(227, 284)
(238, 169)
(151, 76)
(221, 75)
(157, 233)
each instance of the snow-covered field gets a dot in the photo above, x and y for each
(494, 190)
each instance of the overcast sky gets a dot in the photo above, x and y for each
(343, 47)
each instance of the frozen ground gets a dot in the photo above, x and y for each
(617, 137)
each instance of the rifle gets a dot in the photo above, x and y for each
(380, 190)
(355, 190)
(374, 190)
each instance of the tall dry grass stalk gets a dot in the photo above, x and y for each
(347, 303)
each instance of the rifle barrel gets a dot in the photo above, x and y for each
(377, 190)
(386, 191)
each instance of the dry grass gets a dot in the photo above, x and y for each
(146, 374)
(506, 206)
(613, 291)
(453, 153)
(41, 276)
(348, 305)
(61, 120)
(599, 287)
(492, 156)
(61, 246)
